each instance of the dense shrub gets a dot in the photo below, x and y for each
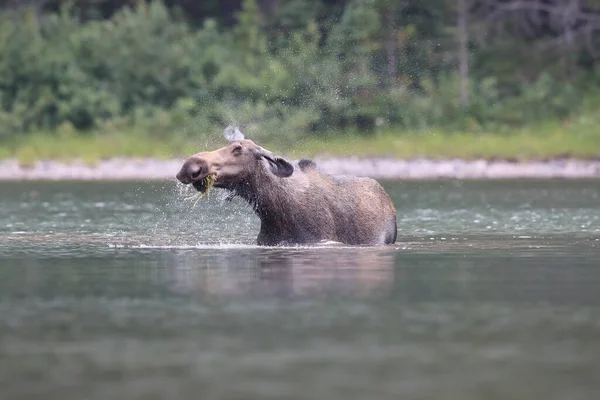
(145, 67)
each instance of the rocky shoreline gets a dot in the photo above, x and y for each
(380, 168)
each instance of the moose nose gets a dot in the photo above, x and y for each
(191, 171)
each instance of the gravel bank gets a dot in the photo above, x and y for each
(149, 169)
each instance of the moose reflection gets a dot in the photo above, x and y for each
(282, 272)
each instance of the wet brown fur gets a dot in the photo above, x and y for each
(307, 206)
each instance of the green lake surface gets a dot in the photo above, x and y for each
(125, 290)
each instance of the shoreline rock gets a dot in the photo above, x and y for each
(379, 168)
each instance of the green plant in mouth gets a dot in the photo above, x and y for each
(207, 184)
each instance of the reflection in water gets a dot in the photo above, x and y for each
(286, 272)
(413, 273)
(232, 271)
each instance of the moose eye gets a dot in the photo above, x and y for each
(237, 150)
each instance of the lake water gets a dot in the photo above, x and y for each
(127, 291)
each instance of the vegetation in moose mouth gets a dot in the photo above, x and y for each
(206, 183)
(202, 186)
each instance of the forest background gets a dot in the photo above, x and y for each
(91, 79)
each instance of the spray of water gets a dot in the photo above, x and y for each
(214, 222)
(233, 134)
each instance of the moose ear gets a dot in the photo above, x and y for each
(279, 166)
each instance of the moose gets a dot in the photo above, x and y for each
(296, 202)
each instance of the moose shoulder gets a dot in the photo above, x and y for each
(296, 202)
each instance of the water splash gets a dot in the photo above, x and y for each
(233, 134)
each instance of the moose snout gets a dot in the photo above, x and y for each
(192, 170)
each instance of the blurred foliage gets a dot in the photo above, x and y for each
(278, 69)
